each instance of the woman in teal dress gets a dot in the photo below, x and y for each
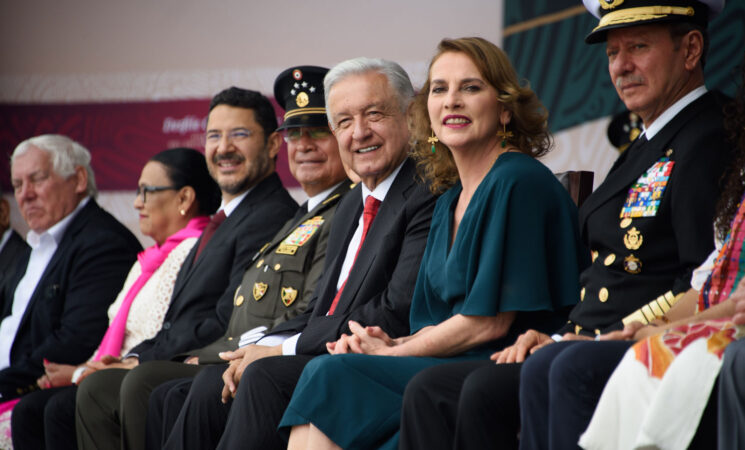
(503, 253)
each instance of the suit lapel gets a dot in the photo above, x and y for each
(348, 213)
(388, 213)
(60, 254)
(224, 232)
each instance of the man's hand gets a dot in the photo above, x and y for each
(110, 362)
(56, 375)
(239, 360)
(529, 341)
(633, 331)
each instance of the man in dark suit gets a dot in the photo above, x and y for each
(648, 226)
(55, 303)
(369, 274)
(241, 146)
(278, 284)
(12, 245)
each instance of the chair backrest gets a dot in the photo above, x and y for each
(578, 183)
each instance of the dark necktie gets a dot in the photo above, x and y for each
(209, 230)
(372, 205)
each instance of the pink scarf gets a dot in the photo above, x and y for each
(150, 259)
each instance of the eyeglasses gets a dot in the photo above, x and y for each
(145, 189)
(213, 137)
(295, 134)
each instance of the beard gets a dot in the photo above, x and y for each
(259, 169)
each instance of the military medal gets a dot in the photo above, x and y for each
(300, 236)
(288, 295)
(632, 264)
(259, 290)
(633, 239)
(645, 195)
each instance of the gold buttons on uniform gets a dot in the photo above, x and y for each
(669, 152)
(609, 259)
(582, 295)
(594, 254)
(277, 267)
(239, 300)
(259, 264)
(626, 222)
(230, 338)
(603, 295)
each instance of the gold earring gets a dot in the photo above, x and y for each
(504, 134)
(182, 212)
(433, 140)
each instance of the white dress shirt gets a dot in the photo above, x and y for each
(43, 245)
(289, 342)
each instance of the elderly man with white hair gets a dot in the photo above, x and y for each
(368, 277)
(55, 303)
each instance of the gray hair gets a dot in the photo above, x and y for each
(65, 154)
(397, 77)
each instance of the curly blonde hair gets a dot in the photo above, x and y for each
(529, 116)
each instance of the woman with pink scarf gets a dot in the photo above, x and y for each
(175, 196)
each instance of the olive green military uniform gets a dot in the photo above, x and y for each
(279, 283)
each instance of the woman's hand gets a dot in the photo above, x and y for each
(366, 340)
(525, 344)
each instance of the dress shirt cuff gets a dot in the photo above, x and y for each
(557, 337)
(76, 375)
(251, 336)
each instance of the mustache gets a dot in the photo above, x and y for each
(230, 157)
(620, 81)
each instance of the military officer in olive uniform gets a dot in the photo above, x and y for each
(279, 283)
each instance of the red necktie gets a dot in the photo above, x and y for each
(372, 205)
(209, 230)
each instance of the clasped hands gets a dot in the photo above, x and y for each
(367, 340)
(370, 340)
(58, 375)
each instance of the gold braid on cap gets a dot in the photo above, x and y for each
(643, 13)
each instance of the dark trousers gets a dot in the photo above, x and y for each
(248, 421)
(464, 405)
(202, 418)
(112, 404)
(560, 385)
(732, 397)
(45, 420)
(164, 407)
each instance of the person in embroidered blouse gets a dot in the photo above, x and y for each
(175, 196)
